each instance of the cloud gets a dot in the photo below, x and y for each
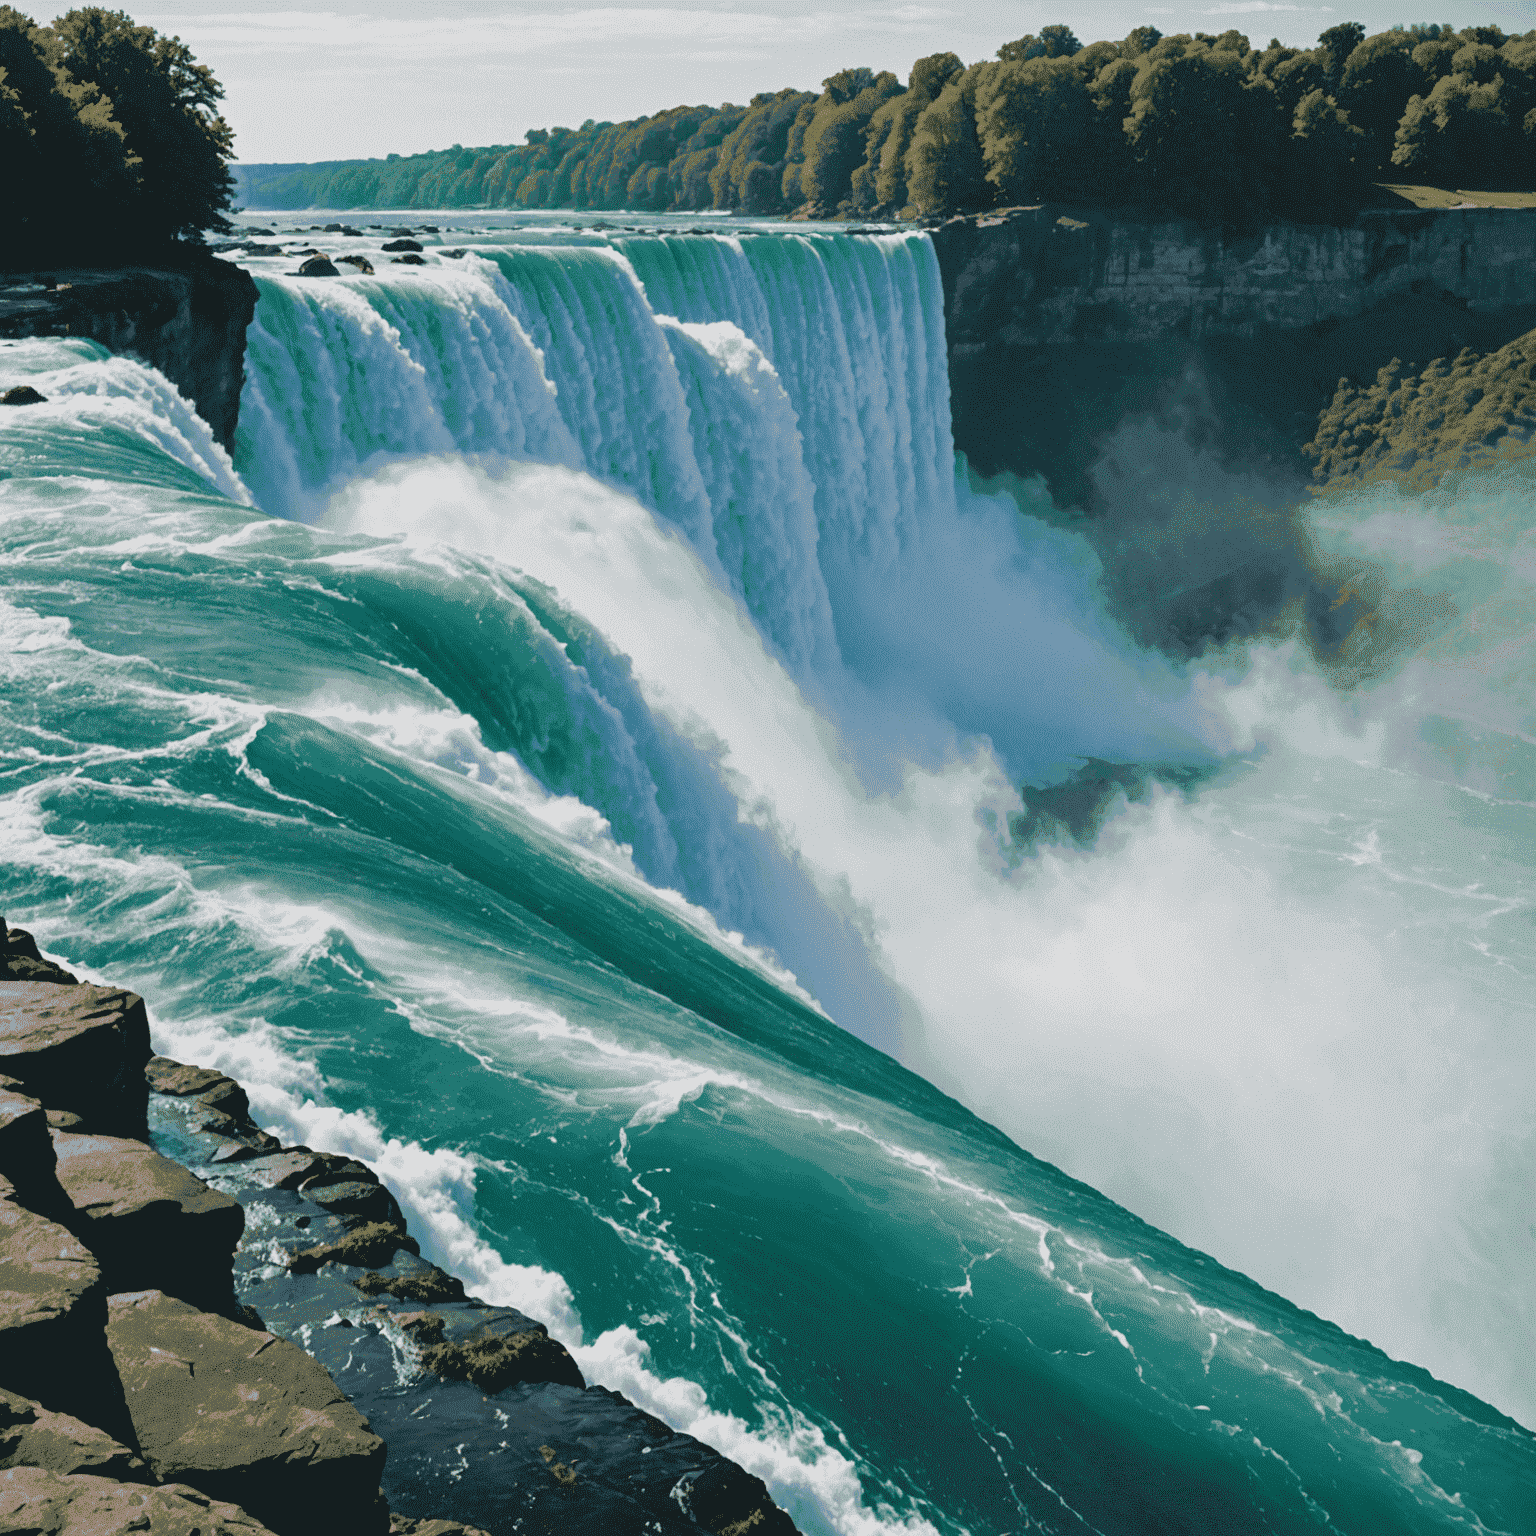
(1253, 7)
(515, 33)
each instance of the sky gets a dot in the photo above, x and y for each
(395, 77)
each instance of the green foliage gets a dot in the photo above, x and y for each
(168, 107)
(945, 169)
(1466, 413)
(104, 120)
(1202, 125)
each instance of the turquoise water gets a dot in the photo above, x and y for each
(587, 801)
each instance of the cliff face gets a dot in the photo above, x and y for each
(1063, 324)
(1166, 379)
(188, 320)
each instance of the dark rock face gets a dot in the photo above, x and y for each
(189, 321)
(27, 1158)
(318, 266)
(1059, 327)
(246, 1417)
(362, 264)
(411, 260)
(81, 1049)
(53, 1308)
(22, 394)
(37, 1500)
(403, 245)
(1163, 379)
(150, 1222)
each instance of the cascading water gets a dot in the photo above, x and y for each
(641, 648)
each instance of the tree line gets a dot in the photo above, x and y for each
(1202, 125)
(108, 132)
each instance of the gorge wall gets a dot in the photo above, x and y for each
(1062, 323)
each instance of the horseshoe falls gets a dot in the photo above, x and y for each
(572, 757)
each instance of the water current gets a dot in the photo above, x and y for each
(571, 757)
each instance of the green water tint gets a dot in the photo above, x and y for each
(234, 779)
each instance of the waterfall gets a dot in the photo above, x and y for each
(587, 786)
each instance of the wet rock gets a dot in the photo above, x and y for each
(81, 1049)
(368, 1246)
(456, 252)
(38, 1502)
(410, 260)
(152, 1224)
(362, 264)
(245, 1417)
(431, 1284)
(317, 266)
(399, 1525)
(403, 245)
(52, 1310)
(491, 1360)
(33, 1436)
(22, 394)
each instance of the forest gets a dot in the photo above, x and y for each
(107, 125)
(1202, 125)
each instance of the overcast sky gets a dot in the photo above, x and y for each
(400, 77)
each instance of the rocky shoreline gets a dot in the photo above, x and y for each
(204, 1331)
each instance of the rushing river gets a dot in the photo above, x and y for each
(568, 757)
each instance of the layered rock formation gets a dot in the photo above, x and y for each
(1061, 323)
(189, 321)
(202, 1330)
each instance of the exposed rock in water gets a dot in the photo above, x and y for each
(403, 245)
(410, 259)
(22, 394)
(318, 266)
(362, 264)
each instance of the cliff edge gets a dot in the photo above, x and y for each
(188, 320)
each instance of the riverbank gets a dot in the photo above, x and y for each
(192, 1312)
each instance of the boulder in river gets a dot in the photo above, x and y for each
(245, 1416)
(22, 394)
(318, 266)
(362, 264)
(411, 259)
(403, 245)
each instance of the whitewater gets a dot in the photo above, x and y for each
(571, 756)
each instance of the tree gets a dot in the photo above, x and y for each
(1325, 177)
(835, 137)
(1190, 133)
(1337, 43)
(945, 170)
(1036, 121)
(167, 105)
(67, 164)
(1378, 78)
(1141, 40)
(1458, 135)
